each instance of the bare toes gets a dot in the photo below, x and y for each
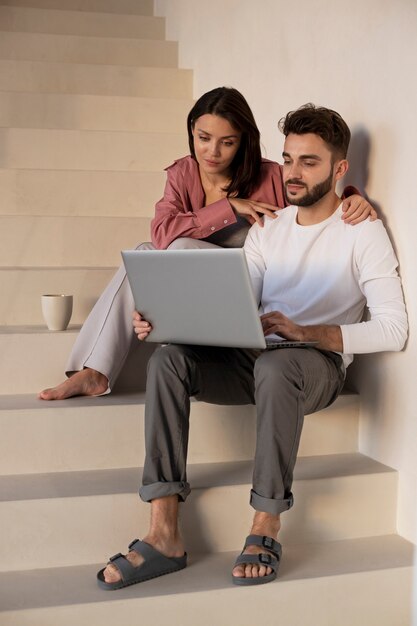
(239, 571)
(111, 574)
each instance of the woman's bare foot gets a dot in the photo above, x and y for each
(173, 548)
(87, 382)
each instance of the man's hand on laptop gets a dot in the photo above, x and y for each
(329, 337)
(141, 327)
(275, 322)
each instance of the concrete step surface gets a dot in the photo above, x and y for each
(67, 241)
(84, 112)
(89, 150)
(356, 582)
(21, 290)
(84, 23)
(61, 432)
(78, 49)
(133, 7)
(80, 193)
(336, 497)
(34, 358)
(111, 79)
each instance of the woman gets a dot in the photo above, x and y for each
(211, 199)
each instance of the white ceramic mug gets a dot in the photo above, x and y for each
(57, 310)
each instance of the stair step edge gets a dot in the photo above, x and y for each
(89, 483)
(76, 585)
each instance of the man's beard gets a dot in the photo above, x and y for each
(314, 195)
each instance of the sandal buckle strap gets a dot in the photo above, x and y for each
(115, 557)
(265, 559)
(268, 542)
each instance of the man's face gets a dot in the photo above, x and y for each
(308, 169)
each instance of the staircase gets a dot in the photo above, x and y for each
(92, 107)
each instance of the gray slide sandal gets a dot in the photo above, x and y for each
(271, 559)
(155, 564)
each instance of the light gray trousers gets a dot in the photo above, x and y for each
(284, 384)
(107, 334)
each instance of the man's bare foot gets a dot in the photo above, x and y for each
(170, 549)
(267, 525)
(87, 382)
(251, 570)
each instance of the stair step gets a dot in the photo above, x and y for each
(87, 112)
(89, 150)
(351, 582)
(61, 432)
(95, 79)
(22, 288)
(80, 193)
(100, 50)
(34, 358)
(66, 241)
(133, 7)
(65, 22)
(337, 497)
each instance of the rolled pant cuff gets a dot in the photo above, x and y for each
(162, 490)
(268, 505)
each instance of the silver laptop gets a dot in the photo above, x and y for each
(201, 297)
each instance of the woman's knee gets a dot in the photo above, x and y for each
(147, 245)
(188, 243)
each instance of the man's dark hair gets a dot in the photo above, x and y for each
(325, 123)
(229, 103)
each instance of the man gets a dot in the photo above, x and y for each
(313, 276)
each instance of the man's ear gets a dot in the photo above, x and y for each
(340, 168)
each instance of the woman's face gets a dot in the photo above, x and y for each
(215, 143)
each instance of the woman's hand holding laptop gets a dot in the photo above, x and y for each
(141, 327)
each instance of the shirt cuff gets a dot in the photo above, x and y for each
(219, 215)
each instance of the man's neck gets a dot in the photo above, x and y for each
(318, 212)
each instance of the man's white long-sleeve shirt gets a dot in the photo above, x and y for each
(326, 274)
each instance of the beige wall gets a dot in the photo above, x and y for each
(360, 59)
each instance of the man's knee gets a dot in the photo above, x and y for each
(162, 356)
(170, 359)
(277, 369)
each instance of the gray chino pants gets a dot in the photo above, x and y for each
(284, 384)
